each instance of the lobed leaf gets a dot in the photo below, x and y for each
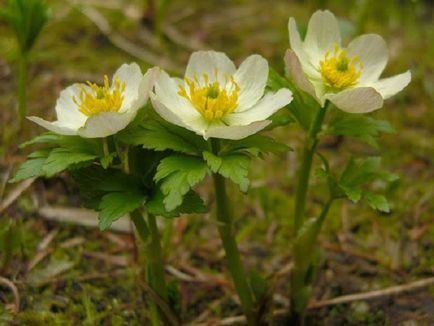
(180, 174)
(116, 204)
(191, 203)
(359, 126)
(255, 144)
(33, 166)
(159, 136)
(236, 168)
(60, 159)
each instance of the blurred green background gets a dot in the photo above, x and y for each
(364, 249)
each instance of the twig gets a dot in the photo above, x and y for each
(81, 216)
(180, 275)
(15, 193)
(374, 294)
(125, 45)
(37, 258)
(206, 277)
(340, 249)
(180, 39)
(4, 281)
(160, 302)
(72, 242)
(111, 259)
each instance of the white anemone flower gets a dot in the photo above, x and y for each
(347, 77)
(216, 100)
(93, 111)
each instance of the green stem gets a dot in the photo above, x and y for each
(148, 233)
(105, 147)
(22, 86)
(305, 168)
(225, 228)
(302, 276)
(156, 261)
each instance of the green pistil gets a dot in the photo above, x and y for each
(342, 65)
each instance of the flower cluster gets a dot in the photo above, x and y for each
(207, 123)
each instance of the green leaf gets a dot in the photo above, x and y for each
(33, 166)
(62, 158)
(255, 144)
(305, 242)
(214, 162)
(72, 143)
(360, 171)
(303, 107)
(116, 204)
(94, 182)
(353, 193)
(359, 126)
(48, 138)
(377, 202)
(276, 81)
(280, 119)
(110, 180)
(107, 160)
(191, 203)
(178, 174)
(235, 167)
(160, 137)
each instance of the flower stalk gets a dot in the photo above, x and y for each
(225, 228)
(302, 275)
(149, 234)
(306, 167)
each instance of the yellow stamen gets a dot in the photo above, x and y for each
(212, 101)
(339, 71)
(100, 98)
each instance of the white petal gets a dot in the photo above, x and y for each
(309, 67)
(166, 92)
(66, 110)
(132, 76)
(146, 85)
(296, 71)
(251, 76)
(357, 100)
(201, 62)
(166, 113)
(57, 126)
(104, 124)
(294, 39)
(322, 35)
(373, 54)
(193, 123)
(236, 132)
(388, 87)
(267, 106)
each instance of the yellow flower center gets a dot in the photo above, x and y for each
(100, 98)
(212, 101)
(339, 71)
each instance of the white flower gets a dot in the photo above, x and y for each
(215, 100)
(347, 77)
(93, 111)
